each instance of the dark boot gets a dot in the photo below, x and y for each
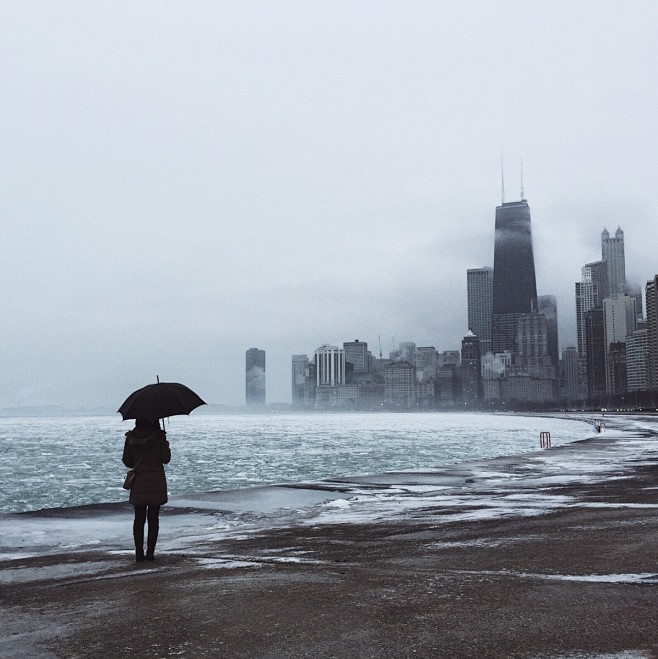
(138, 534)
(151, 541)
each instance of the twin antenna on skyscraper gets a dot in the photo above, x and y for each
(502, 180)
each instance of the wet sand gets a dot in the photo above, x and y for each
(566, 567)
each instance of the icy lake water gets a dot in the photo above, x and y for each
(60, 462)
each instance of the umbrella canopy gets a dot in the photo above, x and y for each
(157, 401)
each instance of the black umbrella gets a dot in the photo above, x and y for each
(157, 401)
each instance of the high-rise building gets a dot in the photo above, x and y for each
(595, 353)
(597, 273)
(547, 305)
(356, 353)
(585, 296)
(330, 366)
(479, 285)
(637, 349)
(255, 377)
(471, 371)
(652, 333)
(400, 384)
(616, 376)
(619, 320)
(570, 366)
(532, 345)
(590, 293)
(300, 380)
(514, 284)
(635, 291)
(612, 251)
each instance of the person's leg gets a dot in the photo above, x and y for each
(138, 532)
(154, 527)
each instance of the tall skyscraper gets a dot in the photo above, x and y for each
(595, 353)
(637, 350)
(652, 333)
(570, 365)
(479, 285)
(597, 273)
(612, 251)
(471, 371)
(255, 377)
(619, 320)
(635, 291)
(590, 293)
(299, 380)
(547, 305)
(514, 284)
(585, 295)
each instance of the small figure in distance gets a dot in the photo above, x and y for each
(147, 450)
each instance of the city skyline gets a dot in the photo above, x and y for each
(180, 182)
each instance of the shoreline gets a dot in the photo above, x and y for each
(546, 554)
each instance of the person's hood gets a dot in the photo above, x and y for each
(140, 437)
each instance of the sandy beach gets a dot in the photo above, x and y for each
(550, 554)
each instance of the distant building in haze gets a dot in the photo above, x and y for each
(400, 385)
(356, 353)
(479, 285)
(635, 291)
(547, 305)
(255, 377)
(303, 382)
(570, 366)
(612, 251)
(619, 321)
(426, 361)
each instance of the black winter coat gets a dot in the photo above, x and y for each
(149, 452)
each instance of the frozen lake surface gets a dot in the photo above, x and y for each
(63, 462)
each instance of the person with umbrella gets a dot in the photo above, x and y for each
(146, 451)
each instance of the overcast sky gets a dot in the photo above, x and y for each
(182, 181)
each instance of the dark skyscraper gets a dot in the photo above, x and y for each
(255, 377)
(514, 285)
(479, 283)
(547, 304)
(471, 371)
(595, 351)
